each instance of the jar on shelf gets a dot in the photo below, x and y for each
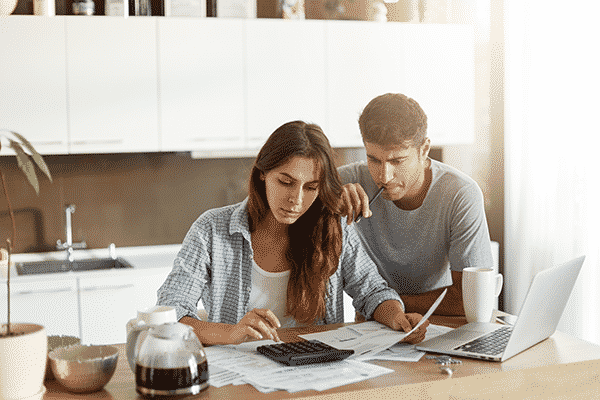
(85, 7)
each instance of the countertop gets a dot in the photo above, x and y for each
(140, 257)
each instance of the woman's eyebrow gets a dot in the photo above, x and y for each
(294, 179)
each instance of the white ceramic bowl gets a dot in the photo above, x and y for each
(83, 369)
(54, 342)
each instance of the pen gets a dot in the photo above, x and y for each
(372, 201)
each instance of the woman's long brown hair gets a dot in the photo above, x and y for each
(316, 237)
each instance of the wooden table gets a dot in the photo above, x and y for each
(559, 365)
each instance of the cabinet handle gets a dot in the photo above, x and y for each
(43, 143)
(47, 291)
(98, 288)
(97, 142)
(213, 139)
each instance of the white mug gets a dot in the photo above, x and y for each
(480, 288)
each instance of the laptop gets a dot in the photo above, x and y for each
(537, 320)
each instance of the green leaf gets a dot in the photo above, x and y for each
(25, 164)
(34, 154)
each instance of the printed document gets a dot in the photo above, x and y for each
(241, 364)
(368, 338)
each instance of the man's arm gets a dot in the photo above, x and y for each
(451, 305)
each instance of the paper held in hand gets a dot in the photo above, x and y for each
(368, 338)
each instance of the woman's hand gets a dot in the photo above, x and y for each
(259, 323)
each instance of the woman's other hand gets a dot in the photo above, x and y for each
(354, 202)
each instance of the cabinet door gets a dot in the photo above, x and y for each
(285, 75)
(50, 303)
(33, 88)
(434, 64)
(106, 303)
(364, 60)
(113, 89)
(147, 283)
(201, 84)
(442, 79)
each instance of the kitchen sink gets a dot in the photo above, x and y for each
(54, 266)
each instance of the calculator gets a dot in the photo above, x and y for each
(302, 353)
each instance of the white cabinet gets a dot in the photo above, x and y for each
(364, 60)
(216, 85)
(285, 75)
(201, 68)
(147, 283)
(434, 64)
(112, 84)
(442, 79)
(33, 84)
(107, 303)
(51, 303)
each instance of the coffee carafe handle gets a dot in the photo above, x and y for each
(131, 347)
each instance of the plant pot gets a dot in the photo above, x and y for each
(23, 362)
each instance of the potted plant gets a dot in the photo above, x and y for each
(23, 347)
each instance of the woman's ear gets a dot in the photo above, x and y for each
(262, 176)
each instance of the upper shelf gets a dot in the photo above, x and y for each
(209, 85)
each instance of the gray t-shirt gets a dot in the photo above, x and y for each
(415, 250)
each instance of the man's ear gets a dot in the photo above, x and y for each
(425, 148)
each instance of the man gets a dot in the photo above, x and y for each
(430, 221)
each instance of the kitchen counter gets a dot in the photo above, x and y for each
(140, 257)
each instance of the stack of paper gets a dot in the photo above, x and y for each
(374, 341)
(241, 364)
(370, 339)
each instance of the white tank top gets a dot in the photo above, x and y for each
(269, 290)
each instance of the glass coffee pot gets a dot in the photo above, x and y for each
(169, 360)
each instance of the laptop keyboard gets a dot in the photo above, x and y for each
(491, 344)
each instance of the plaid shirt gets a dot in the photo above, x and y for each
(215, 265)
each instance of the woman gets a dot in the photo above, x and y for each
(282, 257)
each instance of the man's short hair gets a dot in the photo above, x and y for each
(393, 119)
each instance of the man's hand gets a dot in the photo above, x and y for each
(418, 335)
(390, 313)
(355, 202)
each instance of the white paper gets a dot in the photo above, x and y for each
(241, 364)
(318, 376)
(368, 338)
(407, 352)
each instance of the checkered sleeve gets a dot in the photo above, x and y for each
(191, 271)
(361, 278)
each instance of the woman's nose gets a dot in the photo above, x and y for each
(295, 197)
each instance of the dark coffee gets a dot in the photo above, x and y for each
(169, 379)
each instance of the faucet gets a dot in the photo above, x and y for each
(69, 245)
